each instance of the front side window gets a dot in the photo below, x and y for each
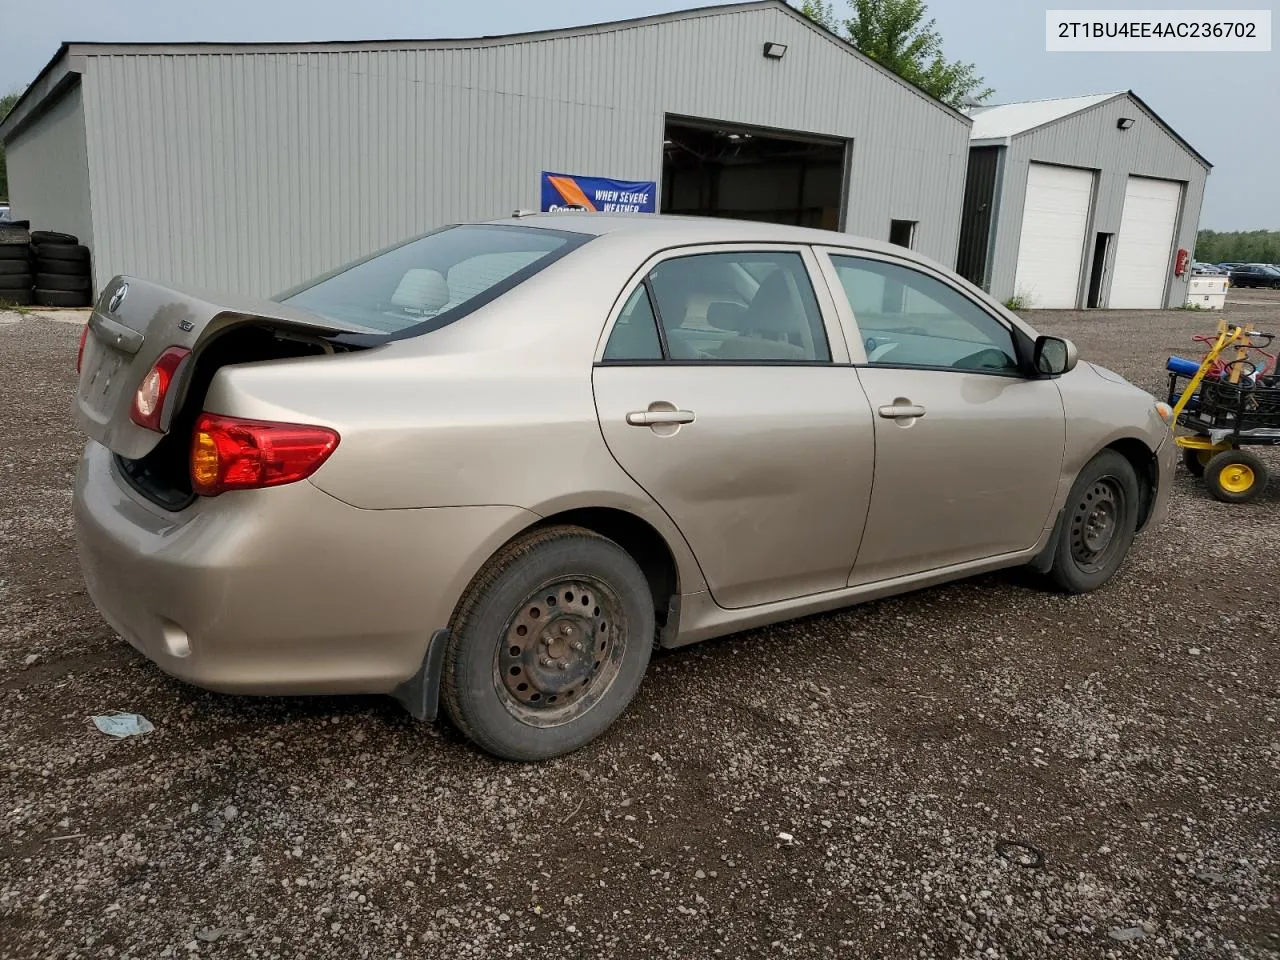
(908, 318)
(737, 307)
(429, 282)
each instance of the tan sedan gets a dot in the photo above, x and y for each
(495, 465)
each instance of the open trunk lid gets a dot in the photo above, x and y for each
(134, 322)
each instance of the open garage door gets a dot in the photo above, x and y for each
(715, 170)
(1144, 249)
(1055, 217)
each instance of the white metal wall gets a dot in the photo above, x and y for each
(252, 170)
(49, 171)
(1055, 219)
(1144, 247)
(1091, 139)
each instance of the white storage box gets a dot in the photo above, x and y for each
(1207, 293)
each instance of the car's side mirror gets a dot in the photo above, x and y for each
(1054, 356)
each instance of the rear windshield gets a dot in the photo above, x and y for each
(434, 280)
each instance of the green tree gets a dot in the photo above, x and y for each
(823, 14)
(6, 104)
(895, 34)
(1238, 246)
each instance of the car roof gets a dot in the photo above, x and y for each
(665, 229)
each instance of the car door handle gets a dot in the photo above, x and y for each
(901, 411)
(649, 418)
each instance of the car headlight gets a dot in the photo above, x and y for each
(1165, 412)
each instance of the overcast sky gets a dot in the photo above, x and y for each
(1226, 105)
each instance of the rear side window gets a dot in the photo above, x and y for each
(748, 306)
(434, 280)
(635, 335)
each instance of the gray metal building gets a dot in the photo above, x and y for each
(1080, 202)
(253, 167)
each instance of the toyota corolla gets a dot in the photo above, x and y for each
(492, 467)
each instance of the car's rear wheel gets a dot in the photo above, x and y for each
(549, 645)
(1098, 524)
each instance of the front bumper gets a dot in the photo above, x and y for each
(1166, 463)
(278, 591)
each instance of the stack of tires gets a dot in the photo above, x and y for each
(62, 277)
(16, 279)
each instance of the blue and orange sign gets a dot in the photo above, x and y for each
(566, 191)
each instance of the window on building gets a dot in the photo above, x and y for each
(903, 233)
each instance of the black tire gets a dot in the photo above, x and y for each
(1235, 476)
(58, 281)
(1196, 460)
(62, 251)
(500, 642)
(62, 298)
(17, 298)
(1098, 521)
(65, 268)
(15, 281)
(14, 251)
(52, 236)
(9, 267)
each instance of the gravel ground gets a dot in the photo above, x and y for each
(836, 787)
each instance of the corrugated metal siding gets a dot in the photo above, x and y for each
(49, 172)
(252, 171)
(1090, 139)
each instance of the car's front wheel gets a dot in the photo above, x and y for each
(549, 645)
(1098, 524)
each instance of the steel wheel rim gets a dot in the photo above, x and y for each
(560, 652)
(1095, 524)
(1236, 478)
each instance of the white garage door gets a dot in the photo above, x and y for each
(1054, 220)
(1144, 249)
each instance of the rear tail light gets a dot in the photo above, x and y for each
(228, 453)
(148, 401)
(84, 335)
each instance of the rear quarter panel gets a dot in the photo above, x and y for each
(495, 409)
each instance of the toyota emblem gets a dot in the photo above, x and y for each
(117, 298)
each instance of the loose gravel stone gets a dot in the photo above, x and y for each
(901, 741)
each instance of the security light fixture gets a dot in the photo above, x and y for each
(775, 51)
(1124, 123)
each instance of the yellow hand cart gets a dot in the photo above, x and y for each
(1225, 405)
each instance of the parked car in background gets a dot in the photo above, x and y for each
(1256, 275)
(1227, 267)
(1206, 269)
(499, 463)
(4, 212)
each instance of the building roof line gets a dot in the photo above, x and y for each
(91, 48)
(28, 105)
(1095, 102)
